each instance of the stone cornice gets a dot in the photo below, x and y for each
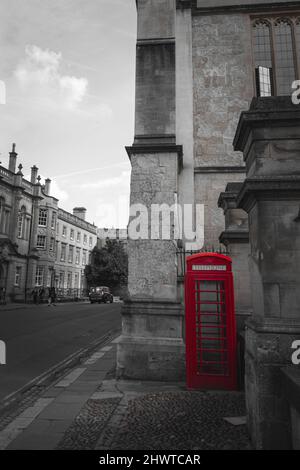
(289, 326)
(220, 169)
(152, 307)
(155, 149)
(247, 7)
(234, 236)
(227, 199)
(268, 189)
(264, 113)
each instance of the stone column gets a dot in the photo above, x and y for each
(151, 345)
(236, 239)
(268, 135)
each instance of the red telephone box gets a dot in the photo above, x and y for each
(210, 323)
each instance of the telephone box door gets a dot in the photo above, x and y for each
(210, 323)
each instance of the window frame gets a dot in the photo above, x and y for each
(39, 247)
(18, 275)
(53, 221)
(41, 271)
(41, 209)
(271, 19)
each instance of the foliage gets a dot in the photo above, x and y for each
(109, 266)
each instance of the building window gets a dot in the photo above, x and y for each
(276, 44)
(85, 239)
(71, 254)
(77, 259)
(57, 228)
(84, 258)
(49, 277)
(43, 215)
(90, 257)
(63, 252)
(21, 222)
(18, 276)
(41, 242)
(64, 231)
(3, 224)
(61, 280)
(56, 250)
(285, 62)
(39, 276)
(72, 234)
(76, 281)
(53, 220)
(69, 281)
(91, 241)
(78, 237)
(52, 243)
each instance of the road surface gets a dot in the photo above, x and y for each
(39, 337)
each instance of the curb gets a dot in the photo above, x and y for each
(56, 372)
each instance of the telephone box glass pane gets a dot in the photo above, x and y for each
(211, 328)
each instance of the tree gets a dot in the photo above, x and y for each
(109, 266)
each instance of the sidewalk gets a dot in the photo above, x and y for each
(90, 409)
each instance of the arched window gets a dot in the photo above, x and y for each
(284, 56)
(276, 46)
(21, 222)
(263, 57)
(297, 39)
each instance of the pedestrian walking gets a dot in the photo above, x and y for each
(34, 294)
(52, 297)
(41, 294)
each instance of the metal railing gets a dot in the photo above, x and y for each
(62, 295)
(183, 254)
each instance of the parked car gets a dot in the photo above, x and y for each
(100, 294)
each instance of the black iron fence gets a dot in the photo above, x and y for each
(183, 254)
(41, 295)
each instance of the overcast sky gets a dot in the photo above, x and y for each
(69, 70)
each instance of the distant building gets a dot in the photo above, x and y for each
(41, 245)
(75, 240)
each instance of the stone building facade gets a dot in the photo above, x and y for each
(33, 230)
(75, 240)
(198, 66)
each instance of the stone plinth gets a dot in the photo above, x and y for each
(268, 135)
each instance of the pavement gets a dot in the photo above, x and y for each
(89, 409)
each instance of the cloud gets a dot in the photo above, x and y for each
(40, 73)
(58, 192)
(105, 183)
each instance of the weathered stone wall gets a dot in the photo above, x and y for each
(152, 269)
(208, 187)
(223, 85)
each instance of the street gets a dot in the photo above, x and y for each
(39, 337)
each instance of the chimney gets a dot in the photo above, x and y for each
(12, 159)
(34, 172)
(79, 212)
(47, 187)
